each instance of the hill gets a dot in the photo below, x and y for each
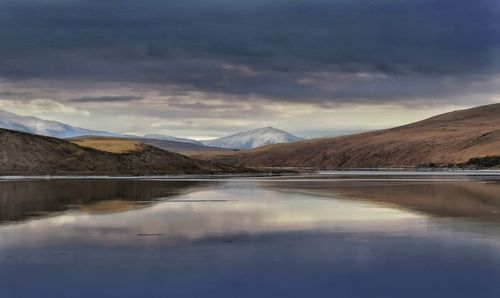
(450, 138)
(171, 138)
(112, 145)
(27, 154)
(253, 139)
(121, 145)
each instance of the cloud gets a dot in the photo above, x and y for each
(13, 94)
(41, 107)
(208, 68)
(319, 51)
(97, 99)
(198, 105)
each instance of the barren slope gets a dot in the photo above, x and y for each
(454, 137)
(113, 145)
(121, 145)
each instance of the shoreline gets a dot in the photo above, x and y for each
(319, 173)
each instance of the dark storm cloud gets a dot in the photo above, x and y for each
(14, 94)
(91, 99)
(204, 107)
(303, 50)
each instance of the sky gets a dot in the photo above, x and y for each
(204, 69)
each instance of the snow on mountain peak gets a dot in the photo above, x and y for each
(48, 128)
(254, 138)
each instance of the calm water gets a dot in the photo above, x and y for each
(336, 235)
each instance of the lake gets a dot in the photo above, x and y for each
(338, 234)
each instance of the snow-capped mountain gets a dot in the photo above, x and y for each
(171, 138)
(253, 139)
(45, 127)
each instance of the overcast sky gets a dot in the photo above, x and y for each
(206, 68)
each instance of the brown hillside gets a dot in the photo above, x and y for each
(113, 145)
(453, 137)
(122, 145)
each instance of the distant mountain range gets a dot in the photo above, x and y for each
(48, 128)
(171, 138)
(467, 137)
(253, 139)
(245, 140)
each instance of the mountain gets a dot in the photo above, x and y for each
(61, 130)
(45, 127)
(253, 139)
(28, 154)
(451, 138)
(170, 138)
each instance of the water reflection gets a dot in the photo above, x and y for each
(463, 198)
(208, 213)
(247, 238)
(24, 199)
